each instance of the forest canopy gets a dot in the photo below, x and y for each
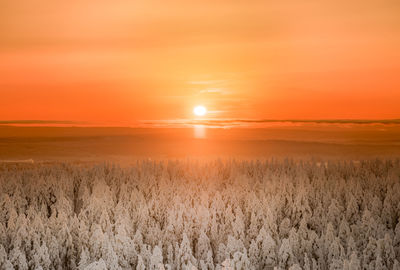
(193, 214)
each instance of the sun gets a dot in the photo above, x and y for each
(200, 110)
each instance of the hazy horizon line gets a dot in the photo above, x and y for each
(193, 122)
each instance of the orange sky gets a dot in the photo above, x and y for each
(121, 62)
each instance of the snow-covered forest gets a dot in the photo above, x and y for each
(193, 214)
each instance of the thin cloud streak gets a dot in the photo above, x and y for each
(259, 122)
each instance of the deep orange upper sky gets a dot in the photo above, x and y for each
(120, 62)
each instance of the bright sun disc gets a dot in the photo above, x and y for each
(200, 110)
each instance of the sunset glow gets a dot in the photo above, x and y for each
(176, 134)
(121, 62)
(200, 110)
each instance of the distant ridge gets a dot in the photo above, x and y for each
(38, 122)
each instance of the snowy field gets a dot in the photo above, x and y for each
(193, 214)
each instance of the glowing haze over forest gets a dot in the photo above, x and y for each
(123, 62)
(209, 134)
